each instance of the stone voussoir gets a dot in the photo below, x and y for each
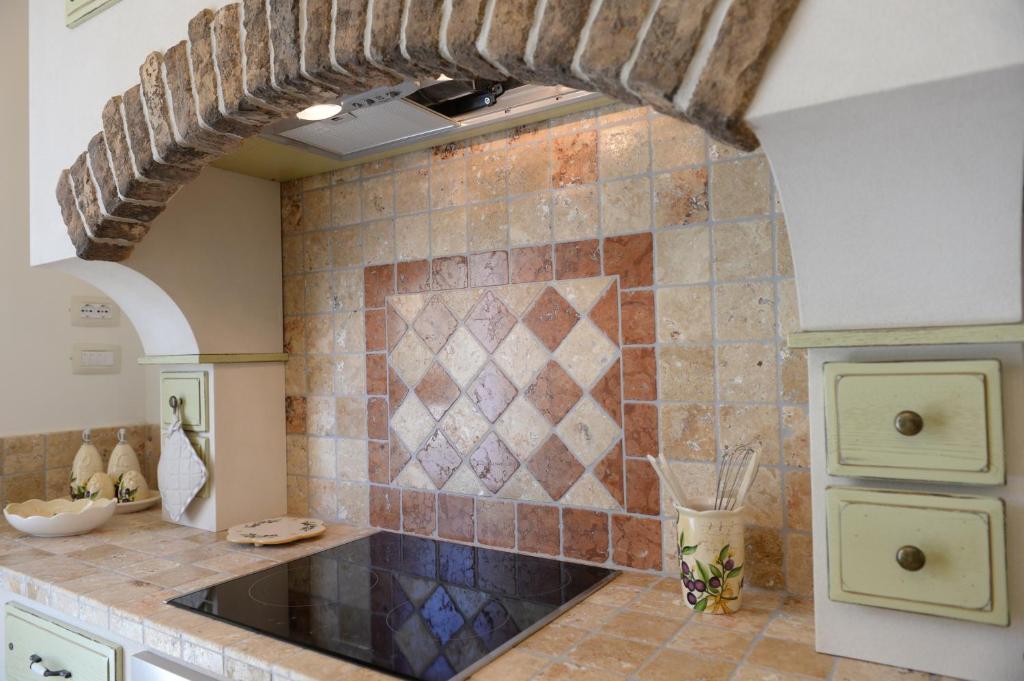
(385, 47)
(140, 136)
(350, 53)
(610, 37)
(129, 184)
(257, 64)
(85, 247)
(168, 147)
(112, 202)
(504, 34)
(187, 125)
(227, 59)
(283, 18)
(97, 224)
(749, 33)
(666, 51)
(205, 79)
(316, 51)
(550, 56)
(421, 37)
(461, 24)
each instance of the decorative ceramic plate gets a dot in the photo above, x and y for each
(138, 504)
(275, 531)
(59, 517)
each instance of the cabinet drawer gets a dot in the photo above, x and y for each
(191, 390)
(59, 646)
(933, 554)
(929, 421)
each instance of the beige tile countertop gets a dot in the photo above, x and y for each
(118, 579)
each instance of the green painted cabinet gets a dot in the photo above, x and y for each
(934, 554)
(937, 421)
(192, 390)
(35, 644)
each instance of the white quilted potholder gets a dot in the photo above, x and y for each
(181, 472)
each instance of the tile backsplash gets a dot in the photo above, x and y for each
(39, 466)
(486, 339)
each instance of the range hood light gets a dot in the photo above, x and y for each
(319, 112)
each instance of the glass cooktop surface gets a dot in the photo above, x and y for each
(413, 607)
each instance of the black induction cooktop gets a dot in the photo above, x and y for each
(413, 607)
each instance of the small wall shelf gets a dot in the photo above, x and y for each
(934, 335)
(249, 358)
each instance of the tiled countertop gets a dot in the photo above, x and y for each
(118, 577)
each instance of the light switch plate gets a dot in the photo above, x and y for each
(94, 311)
(79, 11)
(95, 358)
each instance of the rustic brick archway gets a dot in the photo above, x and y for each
(251, 63)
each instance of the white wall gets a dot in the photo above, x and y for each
(37, 391)
(73, 73)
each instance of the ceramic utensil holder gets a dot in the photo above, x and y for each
(710, 550)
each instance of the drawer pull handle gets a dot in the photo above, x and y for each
(910, 558)
(908, 423)
(36, 666)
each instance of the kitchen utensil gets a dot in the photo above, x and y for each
(711, 556)
(59, 517)
(753, 466)
(731, 475)
(670, 482)
(275, 531)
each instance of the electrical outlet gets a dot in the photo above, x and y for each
(95, 358)
(79, 11)
(94, 311)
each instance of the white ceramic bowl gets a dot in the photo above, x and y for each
(59, 517)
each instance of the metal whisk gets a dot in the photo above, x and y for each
(739, 466)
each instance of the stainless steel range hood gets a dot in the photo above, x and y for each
(379, 120)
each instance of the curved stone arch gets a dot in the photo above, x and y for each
(251, 63)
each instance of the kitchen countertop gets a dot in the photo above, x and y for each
(118, 578)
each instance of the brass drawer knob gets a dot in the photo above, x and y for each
(908, 423)
(910, 558)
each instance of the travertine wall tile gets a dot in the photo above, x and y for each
(528, 334)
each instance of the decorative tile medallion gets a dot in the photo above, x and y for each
(514, 391)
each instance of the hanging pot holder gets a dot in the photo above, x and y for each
(181, 473)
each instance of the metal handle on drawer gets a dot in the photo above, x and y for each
(908, 423)
(910, 558)
(36, 666)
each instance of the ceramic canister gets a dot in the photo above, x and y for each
(710, 550)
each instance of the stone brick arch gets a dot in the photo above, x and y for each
(251, 63)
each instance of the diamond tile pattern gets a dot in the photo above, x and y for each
(439, 459)
(490, 321)
(497, 401)
(493, 463)
(437, 391)
(435, 324)
(588, 432)
(585, 353)
(462, 356)
(520, 356)
(411, 359)
(551, 318)
(463, 426)
(523, 428)
(555, 468)
(553, 392)
(492, 392)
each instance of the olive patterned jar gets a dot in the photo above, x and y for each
(710, 551)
